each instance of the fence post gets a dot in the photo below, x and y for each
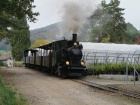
(134, 71)
(127, 70)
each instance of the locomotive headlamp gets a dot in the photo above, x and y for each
(75, 44)
(82, 63)
(67, 62)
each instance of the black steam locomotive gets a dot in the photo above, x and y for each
(63, 57)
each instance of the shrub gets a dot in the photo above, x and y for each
(90, 69)
(1, 63)
(112, 68)
(18, 64)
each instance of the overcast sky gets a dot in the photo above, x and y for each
(50, 11)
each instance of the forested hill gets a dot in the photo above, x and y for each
(4, 46)
(55, 32)
(50, 32)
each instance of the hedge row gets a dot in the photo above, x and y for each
(112, 69)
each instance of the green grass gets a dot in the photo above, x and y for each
(9, 97)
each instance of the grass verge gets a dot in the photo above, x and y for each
(9, 97)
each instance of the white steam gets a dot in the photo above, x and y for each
(75, 14)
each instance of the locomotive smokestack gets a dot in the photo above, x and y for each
(74, 37)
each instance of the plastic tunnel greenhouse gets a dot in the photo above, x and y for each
(110, 52)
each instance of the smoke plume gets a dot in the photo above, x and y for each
(75, 14)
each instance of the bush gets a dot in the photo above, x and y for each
(1, 63)
(97, 69)
(138, 68)
(18, 64)
(112, 68)
(90, 69)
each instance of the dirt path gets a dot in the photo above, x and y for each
(42, 89)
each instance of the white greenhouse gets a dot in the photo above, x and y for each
(111, 53)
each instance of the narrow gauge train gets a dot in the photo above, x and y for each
(63, 57)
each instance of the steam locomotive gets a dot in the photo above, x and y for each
(63, 57)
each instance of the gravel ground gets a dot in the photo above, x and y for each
(129, 85)
(42, 89)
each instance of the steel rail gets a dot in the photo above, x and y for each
(109, 88)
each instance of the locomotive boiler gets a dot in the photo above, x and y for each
(62, 57)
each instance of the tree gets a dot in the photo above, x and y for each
(18, 8)
(13, 24)
(20, 41)
(116, 25)
(12, 11)
(97, 24)
(106, 40)
(131, 34)
(9, 25)
(84, 32)
(109, 21)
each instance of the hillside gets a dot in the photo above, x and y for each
(50, 32)
(55, 32)
(4, 45)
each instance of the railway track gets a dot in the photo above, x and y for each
(110, 89)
